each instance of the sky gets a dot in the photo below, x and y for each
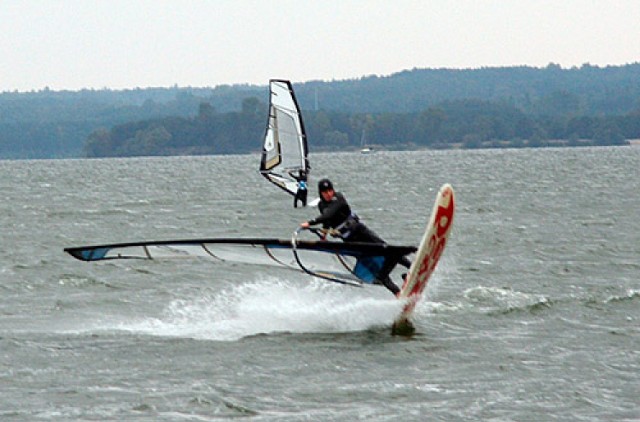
(122, 44)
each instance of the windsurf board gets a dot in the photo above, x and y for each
(429, 252)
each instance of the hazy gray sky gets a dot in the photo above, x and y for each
(74, 44)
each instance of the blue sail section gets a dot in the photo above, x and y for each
(94, 254)
(368, 268)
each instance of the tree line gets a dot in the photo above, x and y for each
(413, 108)
(452, 124)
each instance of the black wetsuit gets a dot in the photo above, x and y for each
(301, 194)
(332, 213)
(336, 214)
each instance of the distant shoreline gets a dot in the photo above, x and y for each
(552, 143)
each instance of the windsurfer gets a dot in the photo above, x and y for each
(301, 193)
(336, 214)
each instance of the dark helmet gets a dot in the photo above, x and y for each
(324, 185)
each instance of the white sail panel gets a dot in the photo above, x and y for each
(284, 152)
(348, 263)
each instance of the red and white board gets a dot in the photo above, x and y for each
(429, 253)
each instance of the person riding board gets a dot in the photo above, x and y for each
(336, 214)
(301, 193)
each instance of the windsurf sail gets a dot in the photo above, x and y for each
(284, 151)
(347, 263)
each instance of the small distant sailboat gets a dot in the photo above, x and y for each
(364, 148)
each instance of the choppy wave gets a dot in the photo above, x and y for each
(630, 296)
(76, 281)
(504, 300)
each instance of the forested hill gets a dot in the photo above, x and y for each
(419, 107)
(587, 90)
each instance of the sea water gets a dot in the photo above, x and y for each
(532, 314)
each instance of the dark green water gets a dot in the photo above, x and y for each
(533, 313)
